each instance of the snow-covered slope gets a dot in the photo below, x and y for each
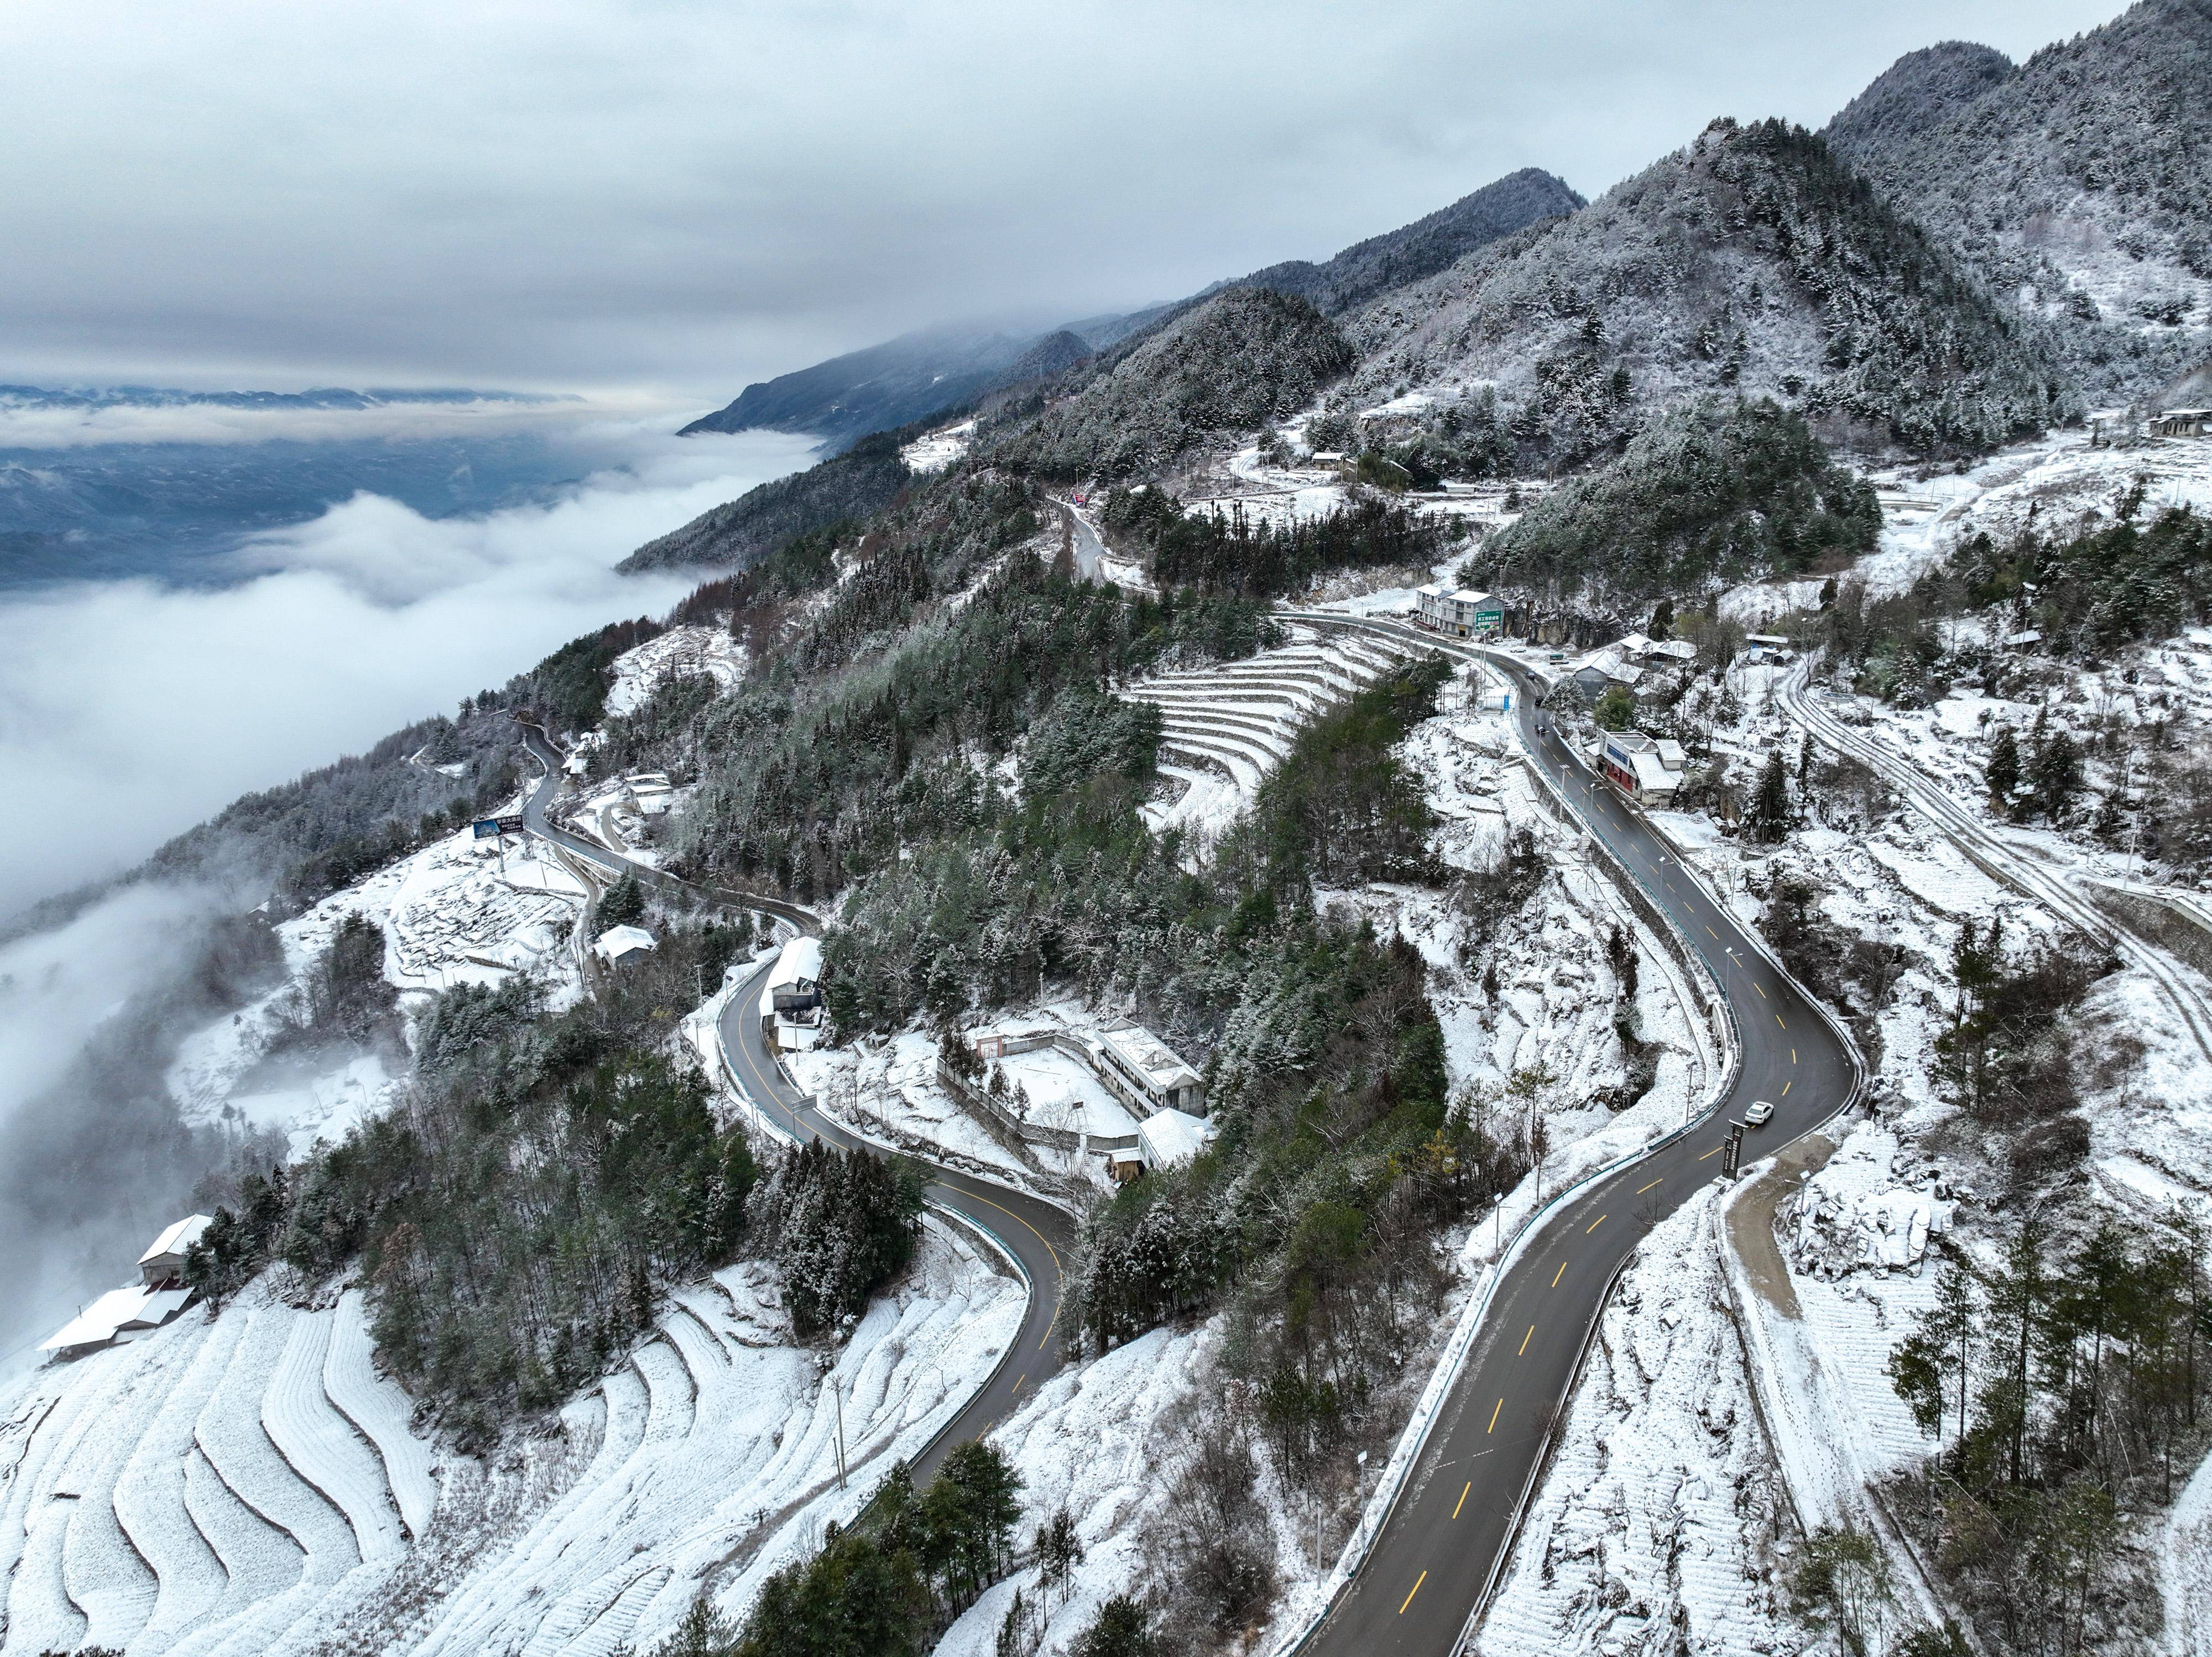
(200, 1490)
(1224, 729)
(248, 1483)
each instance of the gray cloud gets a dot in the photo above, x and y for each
(688, 195)
(129, 711)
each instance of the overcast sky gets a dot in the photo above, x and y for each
(675, 197)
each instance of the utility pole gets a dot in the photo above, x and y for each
(838, 1392)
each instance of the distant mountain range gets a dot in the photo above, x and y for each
(918, 374)
(913, 377)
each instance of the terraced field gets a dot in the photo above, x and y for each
(206, 1488)
(1225, 728)
(251, 1484)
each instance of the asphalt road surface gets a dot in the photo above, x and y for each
(1433, 1564)
(1035, 1232)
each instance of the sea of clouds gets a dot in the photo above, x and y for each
(129, 710)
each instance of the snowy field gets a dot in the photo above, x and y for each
(1224, 729)
(681, 650)
(450, 915)
(250, 1484)
(933, 451)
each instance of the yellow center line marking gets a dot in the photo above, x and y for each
(1410, 1592)
(1641, 1189)
(1715, 1151)
(1557, 1275)
(1493, 1418)
(1777, 1019)
(1793, 1055)
(1594, 1225)
(1461, 1502)
(1713, 935)
(1017, 1385)
(1524, 1344)
(1785, 1089)
(1762, 993)
(1042, 1238)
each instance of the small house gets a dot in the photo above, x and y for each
(2182, 422)
(791, 1001)
(162, 1265)
(1169, 1138)
(1648, 770)
(618, 943)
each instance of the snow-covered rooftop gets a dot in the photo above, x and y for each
(178, 1237)
(618, 942)
(1169, 1138)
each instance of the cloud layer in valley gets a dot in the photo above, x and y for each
(129, 712)
(690, 195)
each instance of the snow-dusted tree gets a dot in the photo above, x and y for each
(1770, 816)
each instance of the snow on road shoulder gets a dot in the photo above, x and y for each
(1660, 1516)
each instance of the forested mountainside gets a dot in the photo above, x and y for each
(935, 369)
(1233, 362)
(1423, 247)
(1713, 492)
(863, 480)
(2078, 185)
(1752, 263)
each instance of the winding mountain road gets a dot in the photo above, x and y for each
(1032, 1232)
(1984, 846)
(1442, 1548)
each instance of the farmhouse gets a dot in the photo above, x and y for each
(162, 1265)
(2182, 422)
(791, 1002)
(618, 943)
(1647, 771)
(159, 1295)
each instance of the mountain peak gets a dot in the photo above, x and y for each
(1914, 94)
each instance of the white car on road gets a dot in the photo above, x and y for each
(1757, 1115)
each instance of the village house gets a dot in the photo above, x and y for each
(1648, 770)
(158, 1295)
(791, 1001)
(618, 943)
(1463, 614)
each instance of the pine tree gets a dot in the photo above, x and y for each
(2057, 775)
(2002, 774)
(1771, 815)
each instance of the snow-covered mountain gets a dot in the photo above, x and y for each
(1750, 263)
(2078, 185)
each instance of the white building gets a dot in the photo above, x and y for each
(1463, 613)
(618, 943)
(1169, 1138)
(159, 1295)
(1142, 1071)
(791, 1001)
(1648, 771)
(162, 1265)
